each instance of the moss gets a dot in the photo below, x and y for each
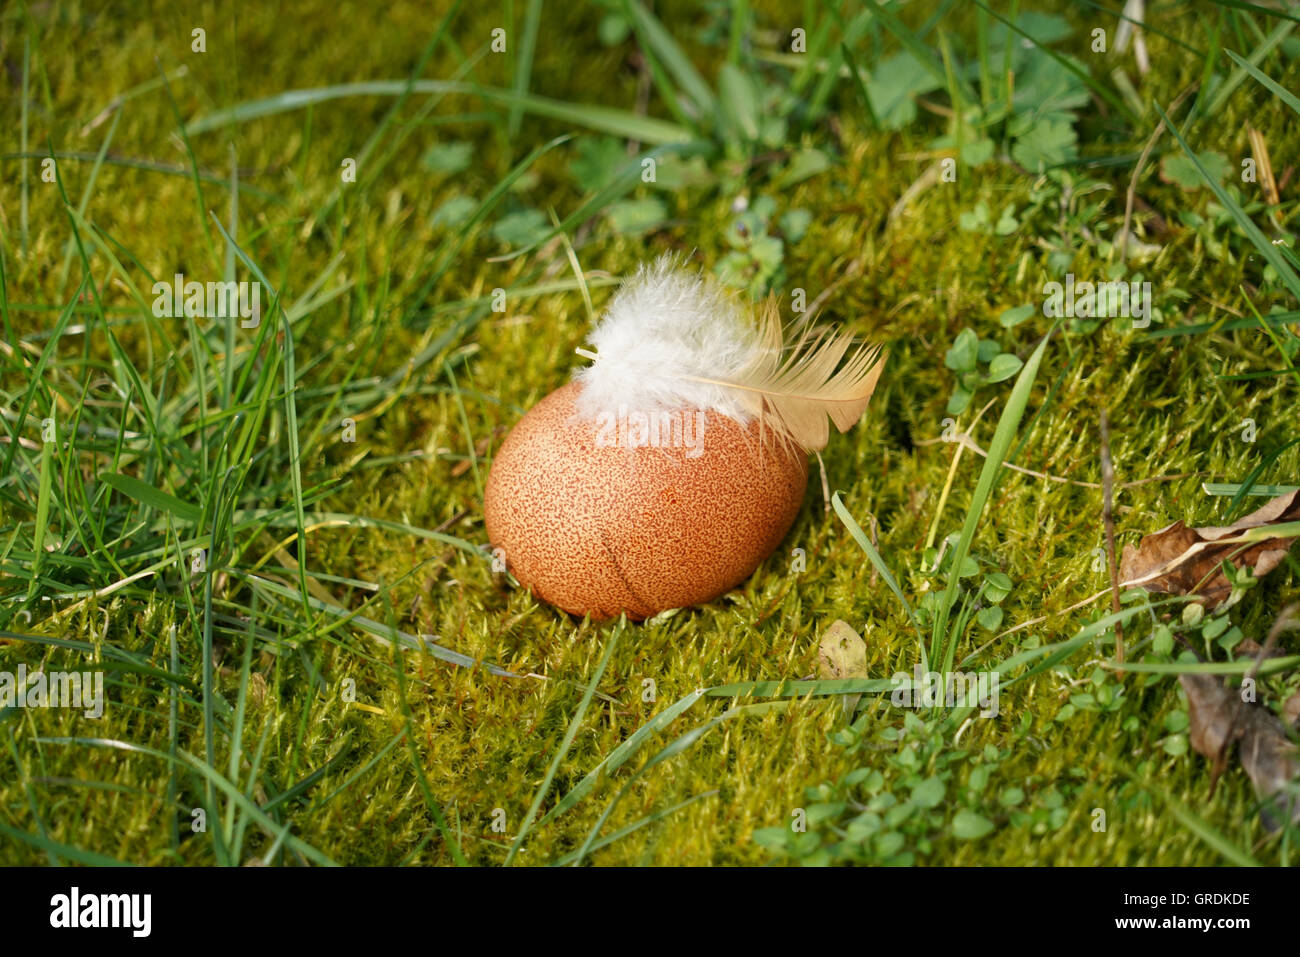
(484, 742)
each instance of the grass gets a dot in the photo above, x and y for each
(269, 538)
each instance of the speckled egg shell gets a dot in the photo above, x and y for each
(601, 529)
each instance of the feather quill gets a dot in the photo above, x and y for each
(671, 339)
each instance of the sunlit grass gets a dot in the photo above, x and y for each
(343, 678)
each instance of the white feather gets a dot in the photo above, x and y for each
(664, 329)
(674, 340)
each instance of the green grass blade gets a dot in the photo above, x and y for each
(43, 497)
(24, 91)
(631, 829)
(1193, 822)
(146, 494)
(524, 64)
(1256, 8)
(861, 87)
(1281, 92)
(1238, 76)
(217, 780)
(75, 854)
(567, 742)
(417, 763)
(1266, 249)
(1008, 424)
(864, 543)
(660, 42)
(603, 119)
(799, 689)
(1233, 488)
(377, 630)
(290, 404)
(675, 747)
(1239, 667)
(620, 755)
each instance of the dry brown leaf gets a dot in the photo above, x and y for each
(1219, 718)
(1178, 560)
(1250, 648)
(1291, 710)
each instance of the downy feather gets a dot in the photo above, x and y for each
(672, 339)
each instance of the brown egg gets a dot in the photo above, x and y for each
(595, 521)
